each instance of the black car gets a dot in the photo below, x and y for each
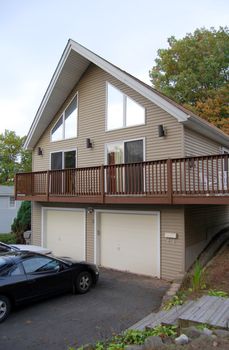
(27, 276)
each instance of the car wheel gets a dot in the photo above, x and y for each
(4, 307)
(83, 282)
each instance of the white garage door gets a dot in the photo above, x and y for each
(64, 233)
(130, 242)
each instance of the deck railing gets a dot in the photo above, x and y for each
(170, 179)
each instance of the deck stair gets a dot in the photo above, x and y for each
(211, 310)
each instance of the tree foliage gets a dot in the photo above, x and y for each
(13, 158)
(22, 222)
(194, 71)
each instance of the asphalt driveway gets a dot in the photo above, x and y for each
(118, 301)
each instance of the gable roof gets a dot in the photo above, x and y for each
(73, 63)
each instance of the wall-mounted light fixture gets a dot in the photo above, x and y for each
(161, 130)
(88, 143)
(39, 151)
(90, 210)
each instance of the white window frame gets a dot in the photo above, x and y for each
(124, 110)
(63, 151)
(123, 142)
(12, 206)
(62, 116)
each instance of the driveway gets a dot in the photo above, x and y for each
(118, 301)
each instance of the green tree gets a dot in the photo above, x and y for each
(13, 158)
(194, 71)
(22, 222)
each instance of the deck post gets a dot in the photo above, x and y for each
(170, 180)
(102, 182)
(47, 189)
(15, 186)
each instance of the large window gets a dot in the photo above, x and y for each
(66, 126)
(63, 160)
(122, 111)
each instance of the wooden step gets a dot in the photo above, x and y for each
(169, 317)
(211, 310)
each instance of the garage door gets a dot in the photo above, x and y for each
(130, 242)
(64, 233)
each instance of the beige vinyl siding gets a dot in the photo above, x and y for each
(172, 250)
(201, 224)
(90, 237)
(199, 145)
(91, 124)
(171, 220)
(36, 223)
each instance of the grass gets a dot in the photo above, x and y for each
(8, 238)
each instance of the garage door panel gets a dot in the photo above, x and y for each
(64, 233)
(129, 242)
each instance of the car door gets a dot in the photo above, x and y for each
(14, 282)
(46, 276)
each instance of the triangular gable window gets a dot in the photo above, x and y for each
(122, 111)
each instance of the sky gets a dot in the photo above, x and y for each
(128, 33)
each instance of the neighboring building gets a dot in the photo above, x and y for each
(8, 208)
(122, 176)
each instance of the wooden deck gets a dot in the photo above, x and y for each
(193, 180)
(210, 310)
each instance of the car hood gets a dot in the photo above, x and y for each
(31, 248)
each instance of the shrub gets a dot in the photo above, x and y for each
(22, 222)
(8, 238)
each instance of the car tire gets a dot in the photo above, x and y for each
(5, 307)
(83, 282)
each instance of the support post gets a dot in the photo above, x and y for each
(170, 180)
(48, 182)
(102, 183)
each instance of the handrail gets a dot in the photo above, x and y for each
(193, 176)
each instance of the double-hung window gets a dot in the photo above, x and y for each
(66, 126)
(122, 111)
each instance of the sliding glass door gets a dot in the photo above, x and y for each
(127, 178)
(63, 182)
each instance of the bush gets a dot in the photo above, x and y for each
(8, 238)
(22, 222)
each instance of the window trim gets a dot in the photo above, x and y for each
(63, 121)
(63, 151)
(125, 96)
(10, 206)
